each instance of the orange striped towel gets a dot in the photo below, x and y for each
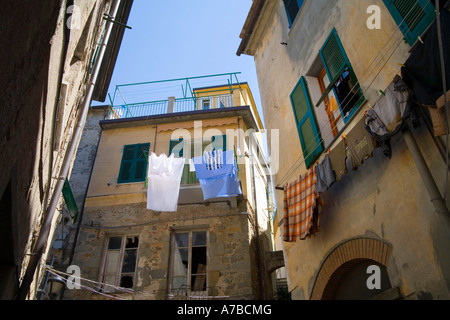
(300, 200)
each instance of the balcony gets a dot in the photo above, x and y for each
(177, 96)
(171, 105)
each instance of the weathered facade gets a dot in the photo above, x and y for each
(206, 249)
(48, 57)
(384, 213)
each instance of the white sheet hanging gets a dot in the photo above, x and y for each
(164, 179)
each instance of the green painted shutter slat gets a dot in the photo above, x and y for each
(134, 163)
(412, 16)
(336, 62)
(140, 171)
(333, 55)
(307, 127)
(69, 199)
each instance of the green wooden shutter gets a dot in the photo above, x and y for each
(140, 172)
(333, 56)
(336, 62)
(69, 199)
(134, 163)
(307, 127)
(412, 16)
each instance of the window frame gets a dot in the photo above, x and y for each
(308, 116)
(189, 290)
(191, 143)
(309, 155)
(188, 177)
(286, 3)
(412, 36)
(109, 287)
(334, 78)
(134, 161)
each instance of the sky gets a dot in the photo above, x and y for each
(173, 39)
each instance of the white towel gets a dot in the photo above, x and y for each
(164, 179)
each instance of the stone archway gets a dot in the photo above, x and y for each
(342, 258)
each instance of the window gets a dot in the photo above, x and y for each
(292, 9)
(177, 147)
(188, 270)
(206, 104)
(134, 163)
(120, 262)
(412, 16)
(341, 94)
(343, 81)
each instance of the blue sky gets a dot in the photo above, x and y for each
(178, 38)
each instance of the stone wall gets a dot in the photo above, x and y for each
(229, 262)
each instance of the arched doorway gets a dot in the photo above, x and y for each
(344, 272)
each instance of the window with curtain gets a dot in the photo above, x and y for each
(120, 262)
(188, 270)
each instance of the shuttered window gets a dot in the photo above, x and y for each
(134, 163)
(177, 146)
(292, 9)
(412, 16)
(343, 80)
(307, 127)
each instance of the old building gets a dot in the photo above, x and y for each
(215, 248)
(323, 67)
(56, 57)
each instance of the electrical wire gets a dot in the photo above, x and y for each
(62, 275)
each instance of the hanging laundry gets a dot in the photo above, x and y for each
(390, 109)
(387, 117)
(338, 157)
(214, 159)
(325, 174)
(164, 180)
(191, 165)
(217, 174)
(360, 144)
(422, 72)
(301, 212)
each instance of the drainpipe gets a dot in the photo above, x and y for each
(46, 226)
(258, 245)
(430, 184)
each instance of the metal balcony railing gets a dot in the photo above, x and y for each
(190, 94)
(170, 106)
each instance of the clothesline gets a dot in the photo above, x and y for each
(216, 172)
